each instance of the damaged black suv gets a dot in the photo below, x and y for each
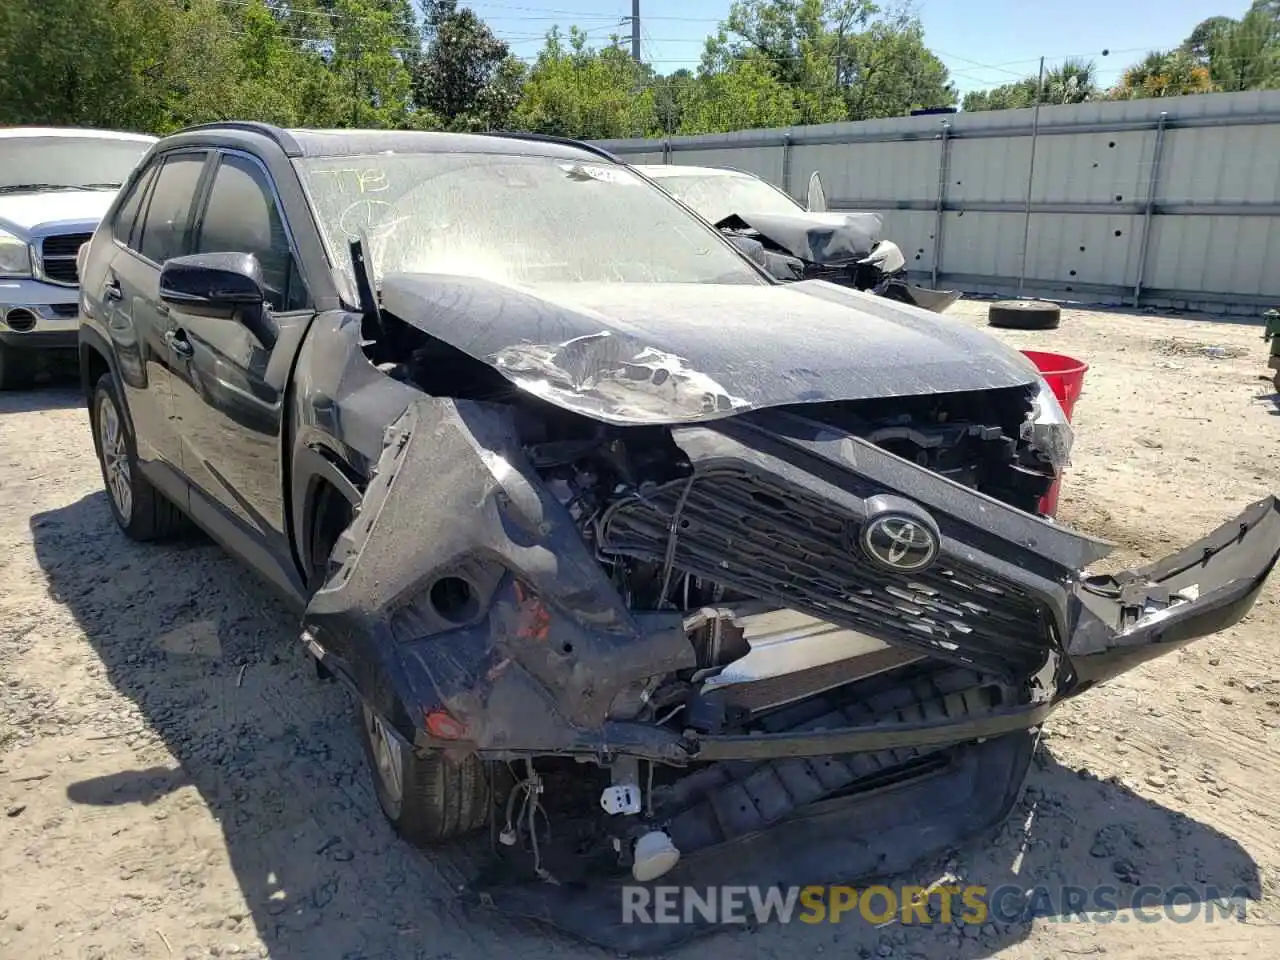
(582, 504)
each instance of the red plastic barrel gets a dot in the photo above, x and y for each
(1065, 376)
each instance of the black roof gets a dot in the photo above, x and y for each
(346, 143)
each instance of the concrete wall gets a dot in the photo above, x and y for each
(1148, 202)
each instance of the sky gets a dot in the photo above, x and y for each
(983, 42)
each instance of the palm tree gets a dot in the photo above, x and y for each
(1073, 81)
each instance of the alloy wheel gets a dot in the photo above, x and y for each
(115, 456)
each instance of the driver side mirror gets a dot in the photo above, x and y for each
(817, 199)
(212, 284)
(225, 286)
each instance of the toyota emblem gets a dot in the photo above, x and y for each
(898, 543)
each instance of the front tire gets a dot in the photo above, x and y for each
(428, 797)
(141, 511)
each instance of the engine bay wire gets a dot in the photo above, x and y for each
(528, 789)
(669, 714)
(673, 535)
(648, 793)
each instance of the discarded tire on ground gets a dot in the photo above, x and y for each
(1024, 315)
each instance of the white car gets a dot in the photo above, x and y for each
(715, 193)
(795, 242)
(55, 185)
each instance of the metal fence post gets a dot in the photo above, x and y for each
(944, 162)
(666, 150)
(786, 164)
(1153, 182)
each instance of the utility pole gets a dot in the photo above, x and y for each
(1031, 172)
(635, 30)
(355, 89)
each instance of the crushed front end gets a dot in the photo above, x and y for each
(782, 640)
(842, 251)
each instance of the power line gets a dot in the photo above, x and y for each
(576, 13)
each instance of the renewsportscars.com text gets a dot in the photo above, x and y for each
(937, 904)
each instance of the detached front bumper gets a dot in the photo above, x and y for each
(1129, 618)
(904, 292)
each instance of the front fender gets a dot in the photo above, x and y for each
(543, 644)
(92, 342)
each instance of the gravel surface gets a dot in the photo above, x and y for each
(175, 782)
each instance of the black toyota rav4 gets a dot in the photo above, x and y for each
(607, 530)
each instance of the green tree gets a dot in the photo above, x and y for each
(1245, 55)
(1008, 96)
(1164, 73)
(889, 71)
(466, 75)
(158, 65)
(578, 91)
(1072, 81)
(672, 94)
(1197, 43)
(841, 59)
(78, 62)
(368, 58)
(745, 95)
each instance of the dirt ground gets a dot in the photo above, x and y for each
(175, 782)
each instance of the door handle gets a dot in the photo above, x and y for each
(177, 342)
(112, 292)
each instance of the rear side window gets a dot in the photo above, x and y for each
(242, 217)
(166, 225)
(125, 227)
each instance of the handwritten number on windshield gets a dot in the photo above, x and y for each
(363, 214)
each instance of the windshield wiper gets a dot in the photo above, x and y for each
(99, 186)
(37, 187)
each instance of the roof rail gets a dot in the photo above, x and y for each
(563, 141)
(279, 135)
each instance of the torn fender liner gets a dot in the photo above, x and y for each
(629, 353)
(843, 840)
(823, 238)
(454, 496)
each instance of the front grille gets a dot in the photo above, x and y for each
(862, 276)
(757, 534)
(58, 256)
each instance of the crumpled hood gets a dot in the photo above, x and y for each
(21, 213)
(670, 353)
(824, 238)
